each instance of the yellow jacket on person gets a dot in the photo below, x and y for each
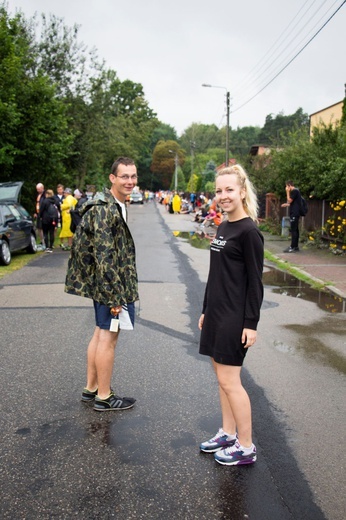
(176, 202)
(67, 204)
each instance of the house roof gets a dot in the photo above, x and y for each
(326, 108)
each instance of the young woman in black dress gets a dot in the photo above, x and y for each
(231, 311)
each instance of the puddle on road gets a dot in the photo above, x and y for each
(198, 240)
(279, 281)
(287, 285)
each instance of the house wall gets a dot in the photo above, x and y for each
(330, 115)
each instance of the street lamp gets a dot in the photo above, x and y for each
(227, 123)
(175, 170)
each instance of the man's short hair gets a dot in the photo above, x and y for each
(126, 161)
(60, 186)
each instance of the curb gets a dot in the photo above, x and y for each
(326, 285)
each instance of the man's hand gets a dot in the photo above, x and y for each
(116, 310)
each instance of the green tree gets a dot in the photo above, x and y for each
(208, 177)
(108, 117)
(163, 132)
(181, 183)
(34, 135)
(276, 128)
(66, 61)
(241, 139)
(343, 117)
(163, 163)
(317, 165)
(201, 137)
(193, 184)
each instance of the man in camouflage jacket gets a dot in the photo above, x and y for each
(102, 267)
(102, 262)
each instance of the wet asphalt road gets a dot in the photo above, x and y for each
(60, 459)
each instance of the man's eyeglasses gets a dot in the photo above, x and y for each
(127, 177)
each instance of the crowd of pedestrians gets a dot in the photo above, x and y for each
(203, 208)
(56, 215)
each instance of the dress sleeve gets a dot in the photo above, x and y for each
(205, 299)
(253, 257)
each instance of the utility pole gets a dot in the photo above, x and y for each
(192, 146)
(175, 169)
(227, 128)
(227, 118)
(176, 172)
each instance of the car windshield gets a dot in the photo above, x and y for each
(9, 190)
(23, 211)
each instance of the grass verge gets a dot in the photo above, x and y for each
(18, 261)
(294, 271)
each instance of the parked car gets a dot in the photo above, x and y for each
(17, 229)
(136, 197)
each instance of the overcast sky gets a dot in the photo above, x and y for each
(171, 48)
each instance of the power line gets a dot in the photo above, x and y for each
(297, 46)
(290, 42)
(273, 48)
(294, 57)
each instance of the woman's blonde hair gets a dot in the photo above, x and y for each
(49, 193)
(250, 201)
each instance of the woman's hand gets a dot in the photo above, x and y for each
(249, 337)
(200, 322)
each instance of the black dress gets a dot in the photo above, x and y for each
(234, 291)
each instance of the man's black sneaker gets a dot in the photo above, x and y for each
(113, 402)
(291, 250)
(88, 396)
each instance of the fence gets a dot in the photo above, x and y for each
(318, 214)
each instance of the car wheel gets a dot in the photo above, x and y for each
(32, 247)
(5, 253)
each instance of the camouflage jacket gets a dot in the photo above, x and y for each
(102, 263)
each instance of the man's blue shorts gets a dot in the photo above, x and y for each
(103, 315)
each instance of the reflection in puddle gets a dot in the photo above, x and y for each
(286, 284)
(198, 240)
(280, 281)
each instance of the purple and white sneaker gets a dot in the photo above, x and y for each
(235, 456)
(220, 440)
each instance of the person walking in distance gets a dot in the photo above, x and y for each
(102, 266)
(294, 203)
(59, 197)
(40, 197)
(231, 311)
(49, 217)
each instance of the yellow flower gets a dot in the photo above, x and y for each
(342, 203)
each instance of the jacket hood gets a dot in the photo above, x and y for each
(102, 198)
